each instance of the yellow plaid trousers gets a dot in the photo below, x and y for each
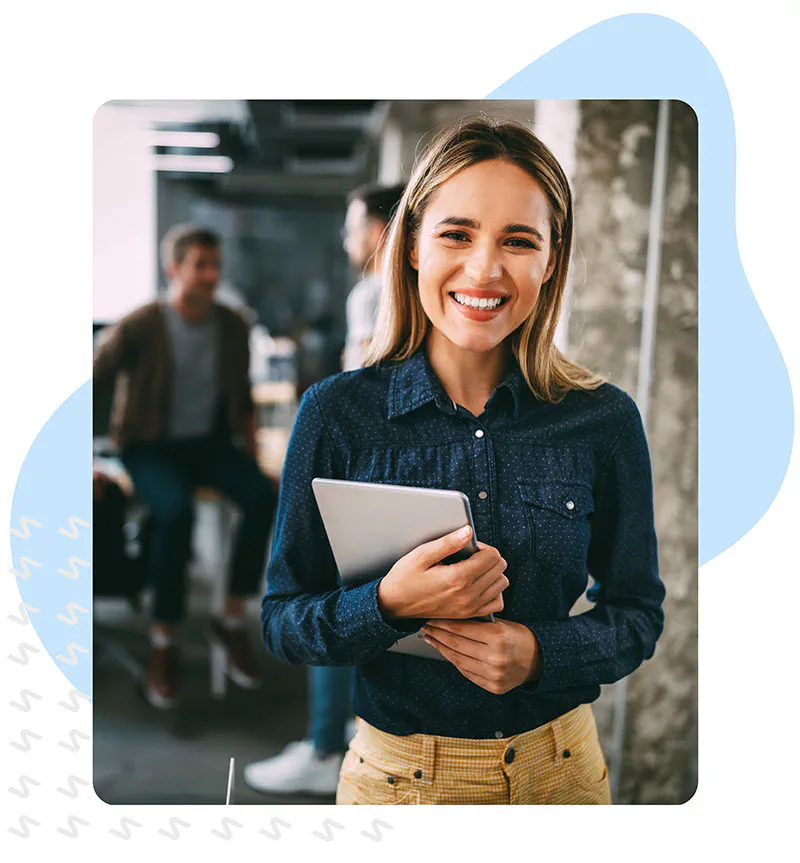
(559, 762)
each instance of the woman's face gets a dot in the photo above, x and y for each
(482, 253)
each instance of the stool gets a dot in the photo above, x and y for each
(225, 516)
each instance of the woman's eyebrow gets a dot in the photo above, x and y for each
(514, 228)
(519, 228)
(458, 221)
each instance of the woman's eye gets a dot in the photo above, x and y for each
(458, 236)
(521, 243)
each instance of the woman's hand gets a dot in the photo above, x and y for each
(496, 656)
(418, 585)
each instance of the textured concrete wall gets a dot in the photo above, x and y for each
(612, 184)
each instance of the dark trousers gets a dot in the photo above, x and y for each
(165, 476)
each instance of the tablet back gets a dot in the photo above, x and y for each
(370, 526)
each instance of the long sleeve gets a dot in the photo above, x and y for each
(112, 356)
(612, 639)
(306, 616)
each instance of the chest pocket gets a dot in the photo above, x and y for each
(558, 518)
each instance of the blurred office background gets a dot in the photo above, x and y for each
(272, 178)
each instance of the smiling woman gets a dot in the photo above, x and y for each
(464, 389)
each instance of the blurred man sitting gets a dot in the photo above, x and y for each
(183, 417)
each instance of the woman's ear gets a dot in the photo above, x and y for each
(551, 265)
(413, 256)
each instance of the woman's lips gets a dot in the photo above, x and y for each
(477, 314)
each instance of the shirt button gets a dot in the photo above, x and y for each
(479, 433)
(570, 505)
(417, 774)
(483, 495)
(509, 756)
(498, 734)
(390, 780)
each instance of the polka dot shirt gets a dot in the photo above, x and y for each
(562, 491)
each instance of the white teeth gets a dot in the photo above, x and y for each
(474, 303)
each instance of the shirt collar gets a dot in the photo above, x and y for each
(414, 383)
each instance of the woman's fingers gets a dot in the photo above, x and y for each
(468, 666)
(473, 567)
(492, 583)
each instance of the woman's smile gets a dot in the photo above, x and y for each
(479, 305)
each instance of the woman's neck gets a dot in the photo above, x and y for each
(469, 377)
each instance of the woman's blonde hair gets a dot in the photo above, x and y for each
(402, 324)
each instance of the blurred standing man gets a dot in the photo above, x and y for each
(312, 766)
(182, 398)
(368, 212)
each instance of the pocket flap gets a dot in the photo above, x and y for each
(570, 500)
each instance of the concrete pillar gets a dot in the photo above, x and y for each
(612, 185)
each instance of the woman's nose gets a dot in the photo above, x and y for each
(483, 265)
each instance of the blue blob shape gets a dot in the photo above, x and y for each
(54, 486)
(746, 413)
(744, 448)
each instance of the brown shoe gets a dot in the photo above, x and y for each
(241, 666)
(161, 688)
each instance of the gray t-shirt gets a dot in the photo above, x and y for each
(195, 388)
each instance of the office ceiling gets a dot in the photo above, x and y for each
(279, 149)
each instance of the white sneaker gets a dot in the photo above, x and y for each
(297, 769)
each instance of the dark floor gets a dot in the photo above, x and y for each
(143, 755)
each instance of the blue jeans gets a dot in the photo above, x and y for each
(165, 476)
(329, 693)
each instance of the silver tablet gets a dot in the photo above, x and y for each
(370, 526)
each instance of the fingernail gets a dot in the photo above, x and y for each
(464, 532)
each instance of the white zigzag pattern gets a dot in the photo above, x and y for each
(74, 562)
(276, 824)
(73, 736)
(24, 820)
(73, 532)
(226, 824)
(25, 573)
(73, 618)
(73, 831)
(123, 823)
(25, 532)
(174, 823)
(24, 618)
(73, 782)
(26, 735)
(24, 649)
(24, 782)
(74, 695)
(376, 836)
(26, 704)
(71, 649)
(328, 836)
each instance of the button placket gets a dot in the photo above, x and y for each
(482, 495)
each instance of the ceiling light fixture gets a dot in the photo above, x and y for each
(205, 140)
(194, 164)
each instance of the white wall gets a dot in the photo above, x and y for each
(124, 224)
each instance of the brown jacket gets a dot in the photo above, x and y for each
(136, 357)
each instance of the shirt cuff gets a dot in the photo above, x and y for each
(362, 602)
(559, 649)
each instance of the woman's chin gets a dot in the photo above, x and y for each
(474, 343)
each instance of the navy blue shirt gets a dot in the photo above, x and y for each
(568, 492)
